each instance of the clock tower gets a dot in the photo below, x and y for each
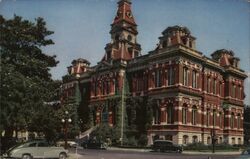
(123, 45)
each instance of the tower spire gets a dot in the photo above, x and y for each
(124, 12)
(123, 45)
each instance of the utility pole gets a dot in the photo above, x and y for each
(122, 106)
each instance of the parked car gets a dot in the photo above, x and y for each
(36, 149)
(70, 143)
(94, 144)
(165, 145)
(245, 154)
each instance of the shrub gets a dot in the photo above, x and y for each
(143, 140)
(202, 147)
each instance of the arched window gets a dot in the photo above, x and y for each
(185, 140)
(194, 115)
(232, 120)
(239, 141)
(233, 141)
(170, 114)
(195, 139)
(238, 121)
(220, 140)
(184, 114)
(157, 116)
(209, 140)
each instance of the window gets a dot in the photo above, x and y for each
(232, 121)
(195, 139)
(220, 89)
(43, 144)
(136, 54)
(220, 140)
(170, 114)
(208, 85)
(233, 91)
(157, 78)
(239, 142)
(208, 117)
(157, 115)
(194, 115)
(116, 86)
(215, 87)
(95, 88)
(194, 78)
(239, 95)
(214, 117)
(209, 140)
(107, 87)
(220, 120)
(171, 76)
(185, 76)
(185, 139)
(103, 87)
(32, 144)
(238, 121)
(184, 114)
(233, 141)
(108, 55)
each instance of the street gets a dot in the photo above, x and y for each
(121, 154)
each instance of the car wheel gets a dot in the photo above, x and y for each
(26, 156)
(62, 155)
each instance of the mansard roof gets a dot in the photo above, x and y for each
(80, 60)
(176, 28)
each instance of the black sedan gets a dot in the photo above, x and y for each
(94, 144)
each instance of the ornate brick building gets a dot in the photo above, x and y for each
(193, 95)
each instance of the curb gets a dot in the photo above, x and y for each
(210, 153)
(128, 149)
(184, 152)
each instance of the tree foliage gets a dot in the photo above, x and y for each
(26, 82)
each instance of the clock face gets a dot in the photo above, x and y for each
(129, 14)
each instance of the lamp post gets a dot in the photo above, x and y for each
(66, 122)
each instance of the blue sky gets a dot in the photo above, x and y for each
(82, 26)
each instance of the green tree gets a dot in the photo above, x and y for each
(25, 75)
(246, 124)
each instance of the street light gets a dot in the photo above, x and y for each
(66, 122)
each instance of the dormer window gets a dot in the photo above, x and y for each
(108, 55)
(129, 37)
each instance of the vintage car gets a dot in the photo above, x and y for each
(245, 154)
(36, 149)
(165, 145)
(94, 144)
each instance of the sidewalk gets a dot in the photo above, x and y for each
(129, 149)
(216, 153)
(184, 152)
